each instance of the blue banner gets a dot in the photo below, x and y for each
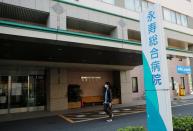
(184, 70)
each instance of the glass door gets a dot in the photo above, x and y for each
(4, 94)
(36, 92)
(22, 93)
(19, 94)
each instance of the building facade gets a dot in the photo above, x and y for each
(48, 47)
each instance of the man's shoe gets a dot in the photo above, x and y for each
(109, 120)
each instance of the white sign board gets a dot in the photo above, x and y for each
(156, 80)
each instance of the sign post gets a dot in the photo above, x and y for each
(158, 103)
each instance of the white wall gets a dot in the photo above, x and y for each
(182, 6)
(186, 9)
(138, 72)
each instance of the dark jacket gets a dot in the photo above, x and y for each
(109, 95)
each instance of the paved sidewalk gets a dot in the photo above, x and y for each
(183, 100)
(100, 114)
(55, 123)
(41, 114)
(100, 107)
(187, 97)
(25, 115)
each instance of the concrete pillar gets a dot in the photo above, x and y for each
(57, 17)
(52, 20)
(189, 76)
(122, 30)
(120, 33)
(166, 41)
(117, 33)
(57, 92)
(191, 64)
(126, 87)
(190, 22)
(125, 34)
(185, 45)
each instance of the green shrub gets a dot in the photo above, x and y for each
(183, 123)
(132, 128)
(180, 123)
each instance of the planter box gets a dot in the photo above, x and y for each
(72, 105)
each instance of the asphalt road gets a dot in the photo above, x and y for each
(56, 123)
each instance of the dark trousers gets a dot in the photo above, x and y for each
(108, 110)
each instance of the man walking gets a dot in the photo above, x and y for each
(107, 97)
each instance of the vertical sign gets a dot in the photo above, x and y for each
(158, 104)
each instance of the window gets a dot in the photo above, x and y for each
(109, 1)
(130, 4)
(144, 5)
(138, 5)
(175, 17)
(182, 82)
(178, 18)
(172, 82)
(184, 20)
(134, 84)
(167, 15)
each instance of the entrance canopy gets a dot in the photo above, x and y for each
(31, 49)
